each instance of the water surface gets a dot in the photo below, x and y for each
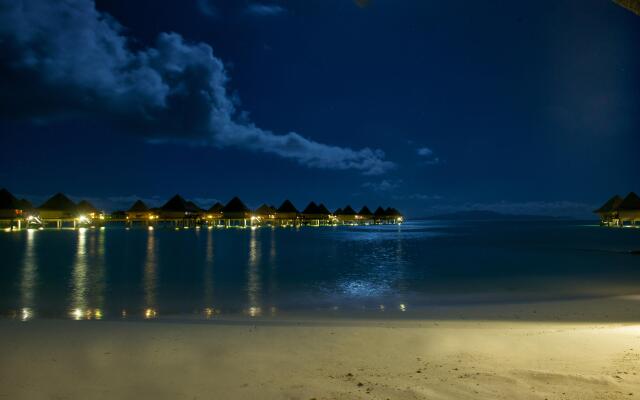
(137, 273)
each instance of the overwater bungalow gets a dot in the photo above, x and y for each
(379, 215)
(59, 209)
(392, 215)
(347, 216)
(315, 214)
(236, 213)
(10, 209)
(365, 215)
(214, 213)
(140, 212)
(608, 212)
(265, 214)
(629, 209)
(176, 209)
(85, 208)
(25, 205)
(287, 213)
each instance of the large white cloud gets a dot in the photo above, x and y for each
(65, 58)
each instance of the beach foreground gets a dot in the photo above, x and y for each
(324, 358)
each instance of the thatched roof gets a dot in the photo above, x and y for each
(265, 210)
(177, 204)
(348, 211)
(59, 202)
(365, 212)
(392, 212)
(287, 207)
(338, 211)
(8, 201)
(216, 208)
(139, 206)
(322, 209)
(611, 205)
(86, 207)
(312, 208)
(193, 207)
(630, 203)
(235, 205)
(379, 212)
(25, 204)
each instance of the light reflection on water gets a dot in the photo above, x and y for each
(138, 273)
(28, 278)
(150, 279)
(254, 275)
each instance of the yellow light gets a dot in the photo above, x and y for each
(83, 219)
(97, 313)
(150, 228)
(26, 314)
(150, 313)
(7, 229)
(403, 308)
(102, 228)
(76, 314)
(255, 311)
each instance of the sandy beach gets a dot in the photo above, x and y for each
(461, 357)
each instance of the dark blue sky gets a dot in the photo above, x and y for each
(529, 107)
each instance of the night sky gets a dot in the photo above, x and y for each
(519, 107)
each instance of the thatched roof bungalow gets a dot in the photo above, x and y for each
(9, 205)
(58, 206)
(629, 208)
(287, 211)
(265, 212)
(85, 208)
(235, 209)
(314, 212)
(365, 214)
(139, 211)
(25, 205)
(609, 210)
(215, 211)
(177, 208)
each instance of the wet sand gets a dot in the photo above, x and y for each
(543, 354)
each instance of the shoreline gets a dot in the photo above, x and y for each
(327, 358)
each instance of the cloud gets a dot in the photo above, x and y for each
(418, 196)
(265, 10)
(65, 59)
(543, 208)
(382, 186)
(428, 155)
(207, 8)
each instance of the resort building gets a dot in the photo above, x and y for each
(287, 214)
(315, 214)
(11, 211)
(609, 211)
(616, 211)
(265, 214)
(176, 209)
(140, 212)
(346, 216)
(59, 209)
(214, 213)
(236, 213)
(629, 209)
(365, 215)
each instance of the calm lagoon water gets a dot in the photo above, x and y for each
(138, 273)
